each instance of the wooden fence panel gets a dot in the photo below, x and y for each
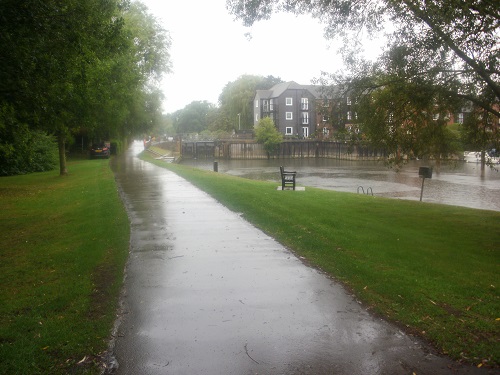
(243, 149)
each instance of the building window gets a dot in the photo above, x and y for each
(289, 115)
(289, 101)
(305, 118)
(348, 101)
(326, 131)
(256, 117)
(288, 130)
(271, 104)
(325, 118)
(304, 104)
(305, 132)
(349, 115)
(256, 103)
(461, 118)
(265, 105)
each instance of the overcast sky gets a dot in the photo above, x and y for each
(210, 49)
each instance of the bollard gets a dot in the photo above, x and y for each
(216, 166)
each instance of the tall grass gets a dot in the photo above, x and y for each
(63, 246)
(432, 269)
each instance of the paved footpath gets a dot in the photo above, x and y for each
(208, 293)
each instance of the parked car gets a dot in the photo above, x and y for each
(100, 150)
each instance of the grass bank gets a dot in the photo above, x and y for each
(432, 269)
(63, 247)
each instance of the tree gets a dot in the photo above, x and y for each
(267, 134)
(463, 32)
(193, 118)
(449, 45)
(407, 120)
(72, 65)
(236, 99)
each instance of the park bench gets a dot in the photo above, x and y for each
(287, 178)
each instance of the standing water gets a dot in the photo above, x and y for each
(458, 184)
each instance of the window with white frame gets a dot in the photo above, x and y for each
(305, 132)
(461, 118)
(326, 131)
(289, 101)
(256, 117)
(289, 115)
(256, 103)
(348, 101)
(265, 105)
(349, 115)
(288, 130)
(304, 104)
(305, 118)
(325, 118)
(271, 104)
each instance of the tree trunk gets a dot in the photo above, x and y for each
(438, 163)
(483, 163)
(62, 155)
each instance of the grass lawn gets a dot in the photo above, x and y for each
(432, 269)
(63, 246)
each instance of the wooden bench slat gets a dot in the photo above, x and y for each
(287, 178)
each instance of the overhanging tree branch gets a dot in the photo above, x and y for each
(478, 68)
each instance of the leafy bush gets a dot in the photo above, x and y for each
(25, 151)
(267, 134)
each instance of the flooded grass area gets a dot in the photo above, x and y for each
(458, 183)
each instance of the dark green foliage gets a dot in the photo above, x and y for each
(81, 67)
(23, 150)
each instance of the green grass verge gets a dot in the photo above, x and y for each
(63, 247)
(433, 269)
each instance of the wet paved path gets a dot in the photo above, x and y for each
(207, 293)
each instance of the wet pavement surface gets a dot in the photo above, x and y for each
(207, 293)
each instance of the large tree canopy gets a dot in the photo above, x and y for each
(68, 65)
(237, 97)
(193, 118)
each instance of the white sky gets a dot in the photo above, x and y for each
(210, 49)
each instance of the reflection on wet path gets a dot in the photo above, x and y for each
(208, 293)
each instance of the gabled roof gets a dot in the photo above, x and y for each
(280, 88)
